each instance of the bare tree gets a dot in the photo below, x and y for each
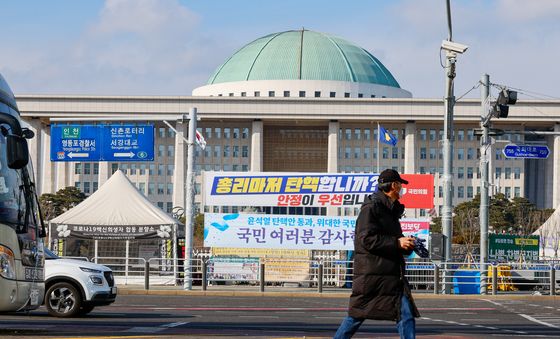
(543, 238)
(468, 230)
(555, 237)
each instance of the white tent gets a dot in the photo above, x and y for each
(117, 210)
(549, 234)
(116, 203)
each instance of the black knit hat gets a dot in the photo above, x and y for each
(390, 175)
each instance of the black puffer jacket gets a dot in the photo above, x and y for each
(379, 281)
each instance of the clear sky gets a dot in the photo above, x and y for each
(170, 47)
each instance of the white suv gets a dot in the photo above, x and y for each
(75, 287)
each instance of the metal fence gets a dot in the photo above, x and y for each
(329, 273)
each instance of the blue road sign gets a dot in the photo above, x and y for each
(102, 142)
(128, 143)
(526, 151)
(75, 143)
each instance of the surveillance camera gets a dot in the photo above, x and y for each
(453, 46)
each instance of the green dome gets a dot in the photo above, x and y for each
(303, 55)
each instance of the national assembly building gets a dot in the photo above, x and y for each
(300, 101)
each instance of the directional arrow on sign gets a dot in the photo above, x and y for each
(78, 155)
(123, 155)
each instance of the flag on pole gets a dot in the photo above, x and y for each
(200, 140)
(432, 212)
(386, 137)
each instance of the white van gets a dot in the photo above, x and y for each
(74, 287)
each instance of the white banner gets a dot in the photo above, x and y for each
(289, 231)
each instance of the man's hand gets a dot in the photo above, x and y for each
(406, 243)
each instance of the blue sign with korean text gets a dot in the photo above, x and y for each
(75, 143)
(102, 142)
(526, 151)
(128, 143)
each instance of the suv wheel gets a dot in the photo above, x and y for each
(63, 300)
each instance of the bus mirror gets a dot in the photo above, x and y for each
(18, 153)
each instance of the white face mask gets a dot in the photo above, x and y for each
(402, 191)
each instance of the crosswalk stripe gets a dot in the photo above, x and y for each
(528, 317)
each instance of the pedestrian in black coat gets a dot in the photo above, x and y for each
(380, 289)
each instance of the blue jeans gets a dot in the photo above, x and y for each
(406, 326)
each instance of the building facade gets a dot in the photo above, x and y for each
(301, 101)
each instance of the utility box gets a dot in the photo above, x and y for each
(437, 246)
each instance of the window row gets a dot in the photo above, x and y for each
(437, 134)
(367, 169)
(86, 168)
(155, 188)
(218, 167)
(228, 151)
(371, 153)
(507, 172)
(224, 132)
(366, 133)
(166, 206)
(164, 132)
(468, 172)
(143, 169)
(87, 187)
(469, 191)
(162, 151)
(302, 94)
(437, 153)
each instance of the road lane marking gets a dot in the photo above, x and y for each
(304, 309)
(474, 325)
(171, 325)
(528, 317)
(481, 319)
(144, 329)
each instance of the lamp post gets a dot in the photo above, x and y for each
(451, 50)
(484, 197)
(189, 200)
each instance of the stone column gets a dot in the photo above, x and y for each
(332, 157)
(61, 170)
(556, 168)
(332, 162)
(47, 167)
(180, 163)
(257, 146)
(104, 172)
(410, 147)
(410, 157)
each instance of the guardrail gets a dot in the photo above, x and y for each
(325, 275)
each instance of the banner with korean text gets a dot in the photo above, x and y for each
(308, 189)
(290, 231)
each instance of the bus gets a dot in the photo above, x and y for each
(22, 230)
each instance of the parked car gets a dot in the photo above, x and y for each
(74, 287)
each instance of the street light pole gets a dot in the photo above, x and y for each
(189, 201)
(446, 217)
(484, 196)
(451, 49)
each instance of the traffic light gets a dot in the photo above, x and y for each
(505, 98)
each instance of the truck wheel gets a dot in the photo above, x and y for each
(63, 300)
(86, 309)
